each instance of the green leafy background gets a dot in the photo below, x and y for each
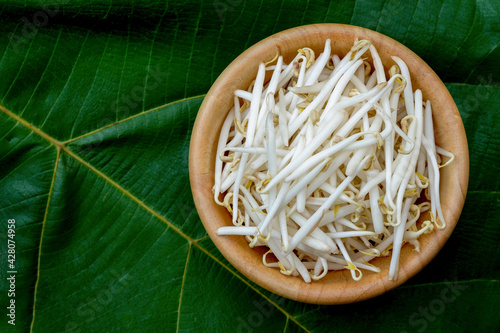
(98, 100)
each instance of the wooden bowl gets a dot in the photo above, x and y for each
(337, 287)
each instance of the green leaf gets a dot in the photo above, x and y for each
(98, 101)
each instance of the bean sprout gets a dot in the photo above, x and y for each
(325, 166)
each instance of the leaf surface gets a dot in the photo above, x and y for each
(98, 100)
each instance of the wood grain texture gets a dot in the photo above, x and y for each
(336, 287)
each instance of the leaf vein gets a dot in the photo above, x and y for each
(251, 286)
(62, 148)
(286, 324)
(67, 81)
(482, 60)
(155, 34)
(131, 117)
(20, 68)
(457, 50)
(31, 127)
(445, 283)
(21, 164)
(410, 23)
(253, 25)
(431, 44)
(277, 17)
(201, 238)
(214, 61)
(91, 86)
(192, 48)
(41, 236)
(125, 56)
(182, 287)
(45, 70)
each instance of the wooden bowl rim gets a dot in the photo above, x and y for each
(337, 287)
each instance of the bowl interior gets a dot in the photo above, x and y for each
(337, 286)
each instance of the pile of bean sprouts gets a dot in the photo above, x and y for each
(324, 163)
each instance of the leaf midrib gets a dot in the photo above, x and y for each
(62, 148)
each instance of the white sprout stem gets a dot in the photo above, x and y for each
(347, 258)
(345, 144)
(282, 200)
(444, 152)
(377, 63)
(321, 264)
(378, 223)
(319, 64)
(283, 123)
(295, 98)
(402, 166)
(254, 150)
(398, 242)
(303, 156)
(254, 106)
(270, 90)
(384, 87)
(435, 188)
(243, 94)
(311, 89)
(283, 230)
(339, 88)
(408, 92)
(218, 162)
(248, 231)
(328, 126)
(322, 177)
(254, 109)
(319, 99)
(316, 217)
(287, 262)
(271, 154)
(362, 152)
(345, 234)
(320, 241)
(429, 134)
(331, 216)
(274, 208)
(413, 156)
(301, 269)
(388, 150)
(348, 224)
